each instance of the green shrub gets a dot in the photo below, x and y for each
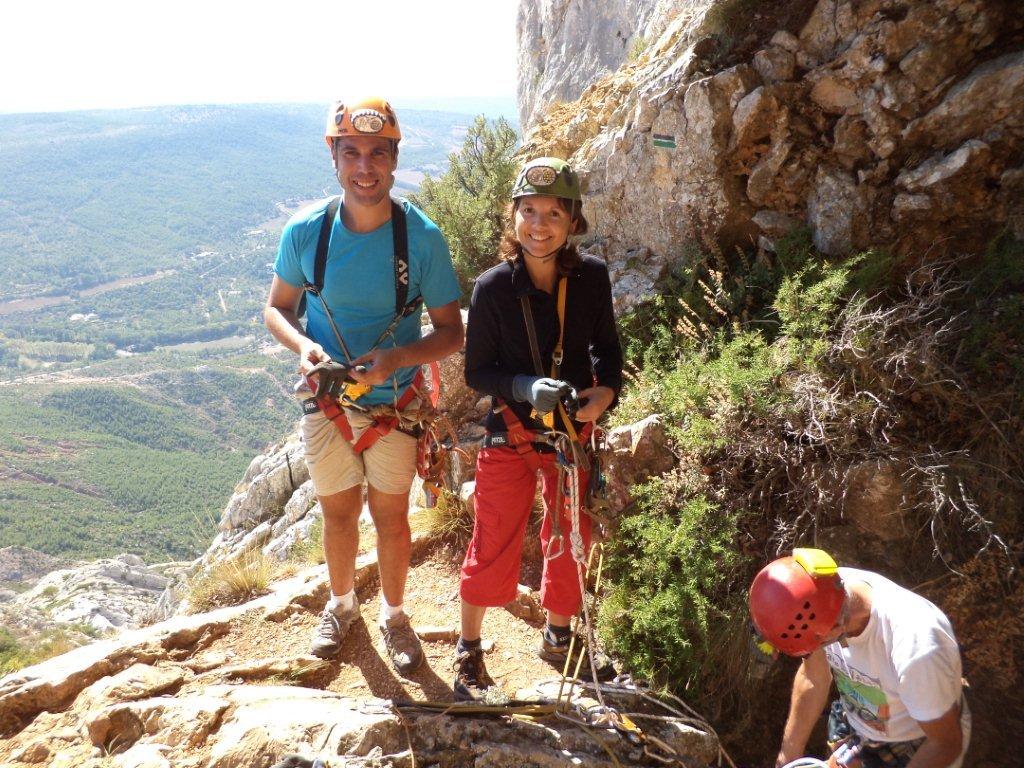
(672, 564)
(468, 200)
(18, 653)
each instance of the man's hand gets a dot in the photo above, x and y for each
(310, 354)
(594, 402)
(377, 366)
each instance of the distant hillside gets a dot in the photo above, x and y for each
(92, 196)
(136, 378)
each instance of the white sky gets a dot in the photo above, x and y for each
(66, 54)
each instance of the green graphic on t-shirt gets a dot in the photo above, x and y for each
(868, 702)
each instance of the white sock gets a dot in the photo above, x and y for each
(342, 602)
(388, 611)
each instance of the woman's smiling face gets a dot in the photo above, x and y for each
(542, 224)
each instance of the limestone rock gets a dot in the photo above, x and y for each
(755, 117)
(676, 158)
(775, 64)
(638, 451)
(564, 45)
(835, 212)
(990, 96)
(138, 681)
(276, 478)
(268, 721)
(144, 756)
(106, 594)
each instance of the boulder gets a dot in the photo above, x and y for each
(836, 212)
(637, 452)
(775, 64)
(990, 96)
(268, 721)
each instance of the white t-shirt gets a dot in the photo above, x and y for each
(904, 667)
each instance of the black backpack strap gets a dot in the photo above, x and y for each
(531, 334)
(400, 238)
(322, 244)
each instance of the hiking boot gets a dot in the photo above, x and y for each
(331, 631)
(402, 645)
(555, 650)
(471, 679)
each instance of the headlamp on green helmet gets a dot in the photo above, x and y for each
(548, 176)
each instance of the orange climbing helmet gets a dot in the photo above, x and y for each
(796, 601)
(371, 116)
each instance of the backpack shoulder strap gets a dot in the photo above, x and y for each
(322, 244)
(400, 238)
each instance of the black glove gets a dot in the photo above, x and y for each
(332, 378)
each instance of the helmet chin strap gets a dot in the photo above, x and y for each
(546, 258)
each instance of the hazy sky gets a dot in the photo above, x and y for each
(70, 54)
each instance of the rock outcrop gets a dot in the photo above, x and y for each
(889, 123)
(564, 45)
(213, 690)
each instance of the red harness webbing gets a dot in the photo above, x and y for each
(381, 425)
(522, 439)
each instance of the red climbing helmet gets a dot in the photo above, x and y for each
(795, 601)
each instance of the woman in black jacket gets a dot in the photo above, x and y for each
(542, 282)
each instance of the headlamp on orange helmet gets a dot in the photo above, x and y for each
(364, 117)
(795, 602)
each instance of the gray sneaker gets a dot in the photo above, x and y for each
(331, 631)
(402, 645)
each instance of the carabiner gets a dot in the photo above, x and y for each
(561, 547)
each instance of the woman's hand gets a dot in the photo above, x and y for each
(597, 400)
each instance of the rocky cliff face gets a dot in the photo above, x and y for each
(893, 123)
(564, 45)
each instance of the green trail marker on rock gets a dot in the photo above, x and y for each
(663, 140)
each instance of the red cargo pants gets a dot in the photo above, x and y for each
(505, 489)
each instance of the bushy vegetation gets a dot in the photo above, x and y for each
(469, 199)
(778, 377)
(20, 652)
(232, 582)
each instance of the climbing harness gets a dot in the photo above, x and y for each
(435, 443)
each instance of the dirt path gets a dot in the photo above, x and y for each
(363, 669)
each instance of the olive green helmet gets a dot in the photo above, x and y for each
(548, 176)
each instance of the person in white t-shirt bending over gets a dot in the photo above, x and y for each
(892, 654)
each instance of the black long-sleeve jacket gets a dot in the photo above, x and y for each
(497, 347)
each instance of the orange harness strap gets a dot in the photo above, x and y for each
(382, 425)
(522, 439)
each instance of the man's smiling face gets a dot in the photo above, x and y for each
(365, 166)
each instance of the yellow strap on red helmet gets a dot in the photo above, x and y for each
(816, 562)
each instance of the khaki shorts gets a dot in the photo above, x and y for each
(388, 465)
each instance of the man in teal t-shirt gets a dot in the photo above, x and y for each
(359, 291)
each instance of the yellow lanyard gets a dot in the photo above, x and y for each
(556, 363)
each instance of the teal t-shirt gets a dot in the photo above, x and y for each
(359, 283)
